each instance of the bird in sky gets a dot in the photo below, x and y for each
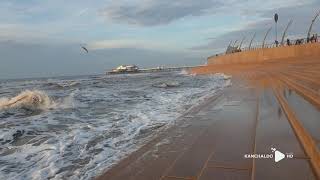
(84, 48)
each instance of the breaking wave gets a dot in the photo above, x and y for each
(31, 100)
(63, 85)
(169, 84)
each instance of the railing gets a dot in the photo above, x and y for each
(272, 45)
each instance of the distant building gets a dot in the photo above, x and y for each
(126, 68)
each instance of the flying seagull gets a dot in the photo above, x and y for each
(84, 48)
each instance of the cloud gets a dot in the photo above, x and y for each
(157, 12)
(300, 14)
(161, 12)
(122, 43)
(19, 31)
(146, 44)
(48, 21)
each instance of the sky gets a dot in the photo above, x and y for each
(43, 38)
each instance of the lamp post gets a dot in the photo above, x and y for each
(285, 31)
(276, 17)
(265, 37)
(254, 35)
(312, 22)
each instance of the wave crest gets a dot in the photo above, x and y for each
(169, 84)
(27, 99)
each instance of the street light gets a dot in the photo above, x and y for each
(285, 31)
(265, 37)
(312, 22)
(254, 35)
(276, 17)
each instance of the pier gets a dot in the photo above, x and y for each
(154, 70)
(166, 69)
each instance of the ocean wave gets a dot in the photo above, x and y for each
(224, 76)
(168, 84)
(31, 100)
(62, 85)
(11, 135)
(183, 72)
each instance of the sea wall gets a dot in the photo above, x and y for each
(265, 54)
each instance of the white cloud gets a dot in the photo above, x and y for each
(46, 21)
(131, 43)
(20, 32)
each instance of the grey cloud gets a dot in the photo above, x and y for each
(157, 12)
(301, 16)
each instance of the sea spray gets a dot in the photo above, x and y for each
(32, 100)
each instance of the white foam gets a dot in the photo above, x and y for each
(183, 72)
(27, 99)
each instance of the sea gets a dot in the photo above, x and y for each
(78, 127)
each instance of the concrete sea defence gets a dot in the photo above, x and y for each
(266, 54)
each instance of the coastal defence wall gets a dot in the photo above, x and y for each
(265, 54)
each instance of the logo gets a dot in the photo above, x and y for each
(276, 155)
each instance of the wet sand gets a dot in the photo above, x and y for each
(270, 104)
